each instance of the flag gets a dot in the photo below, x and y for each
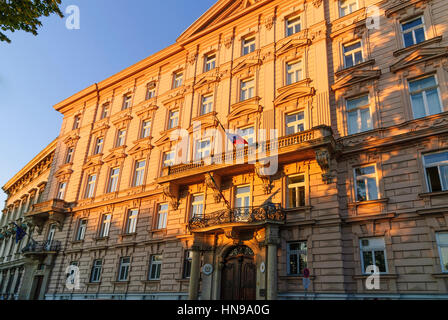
(20, 233)
(219, 190)
(235, 138)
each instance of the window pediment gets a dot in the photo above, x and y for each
(355, 77)
(177, 95)
(248, 108)
(207, 120)
(93, 162)
(206, 81)
(116, 158)
(294, 91)
(141, 148)
(63, 174)
(122, 122)
(245, 65)
(71, 140)
(147, 111)
(293, 44)
(100, 129)
(398, 6)
(418, 56)
(166, 137)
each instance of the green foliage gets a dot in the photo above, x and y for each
(24, 15)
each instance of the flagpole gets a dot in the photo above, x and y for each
(220, 192)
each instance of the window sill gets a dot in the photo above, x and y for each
(440, 275)
(382, 276)
(121, 282)
(433, 194)
(77, 241)
(168, 131)
(417, 46)
(355, 67)
(102, 238)
(253, 100)
(299, 277)
(183, 280)
(128, 235)
(366, 203)
(161, 231)
(93, 283)
(151, 281)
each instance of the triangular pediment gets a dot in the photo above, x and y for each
(206, 80)
(418, 56)
(93, 162)
(355, 77)
(292, 44)
(220, 13)
(141, 148)
(243, 65)
(116, 157)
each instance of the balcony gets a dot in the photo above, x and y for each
(42, 248)
(239, 217)
(53, 211)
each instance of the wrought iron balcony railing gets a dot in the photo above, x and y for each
(248, 215)
(42, 247)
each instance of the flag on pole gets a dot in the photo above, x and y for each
(235, 138)
(219, 190)
(20, 233)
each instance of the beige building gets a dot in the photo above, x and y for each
(357, 91)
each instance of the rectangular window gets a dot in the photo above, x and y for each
(425, 97)
(168, 159)
(90, 188)
(247, 89)
(98, 146)
(76, 122)
(293, 26)
(210, 62)
(82, 226)
(366, 183)
(95, 276)
(294, 72)
(242, 197)
(139, 174)
(174, 119)
(162, 216)
(203, 149)
(105, 225)
(248, 45)
(248, 134)
(373, 253)
(442, 243)
(106, 111)
(297, 258)
(358, 115)
(146, 129)
(295, 123)
(413, 32)
(131, 224)
(207, 104)
(113, 180)
(150, 91)
(178, 79)
(155, 267)
(123, 273)
(296, 191)
(347, 6)
(197, 206)
(69, 156)
(353, 54)
(436, 169)
(61, 190)
(187, 264)
(121, 137)
(126, 102)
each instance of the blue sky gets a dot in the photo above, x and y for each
(38, 72)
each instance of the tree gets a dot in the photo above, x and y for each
(24, 15)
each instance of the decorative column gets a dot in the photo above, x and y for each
(272, 241)
(195, 273)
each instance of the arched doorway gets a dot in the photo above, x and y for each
(238, 280)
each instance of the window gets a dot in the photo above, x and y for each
(72, 272)
(442, 243)
(242, 197)
(293, 72)
(131, 224)
(69, 156)
(98, 146)
(168, 159)
(353, 54)
(121, 136)
(293, 25)
(425, 97)
(297, 258)
(413, 32)
(155, 267)
(207, 104)
(150, 91)
(347, 6)
(162, 216)
(248, 45)
(139, 173)
(296, 191)
(82, 226)
(247, 89)
(174, 119)
(197, 206)
(61, 190)
(248, 134)
(203, 149)
(106, 111)
(358, 115)
(210, 62)
(123, 273)
(76, 122)
(105, 225)
(295, 123)
(126, 102)
(96, 271)
(113, 180)
(366, 184)
(90, 189)
(373, 253)
(146, 129)
(436, 169)
(177, 79)
(187, 264)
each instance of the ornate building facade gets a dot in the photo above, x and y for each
(357, 93)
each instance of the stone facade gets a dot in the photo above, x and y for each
(356, 185)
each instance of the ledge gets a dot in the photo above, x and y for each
(121, 282)
(433, 194)
(295, 277)
(382, 276)
(358, 66)
(366, 203)
(253, 100)
(93, 283)
(417, 46)
(440, 275)
(150, 281)
(369, 217)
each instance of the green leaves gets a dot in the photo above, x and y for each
(24, 15)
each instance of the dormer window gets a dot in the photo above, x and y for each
(248, 45)
(210, 62)
(178, 79)
(353, 54)
(293, 25)
(126, 102)
(413, 32)
(347, 6)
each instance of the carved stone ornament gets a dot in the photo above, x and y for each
(269, 22)
(323, 158)
(171, 191)
(259, 170)
(228, 42)
(317, 3)
(215, 187)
